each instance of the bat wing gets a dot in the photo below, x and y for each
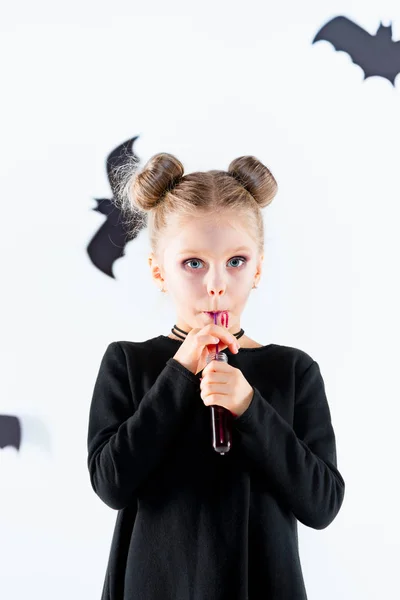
(341, 32)
(117, 158)
(375, 55)
(108, 243)
(347, 36)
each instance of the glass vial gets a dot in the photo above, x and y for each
(221, 418)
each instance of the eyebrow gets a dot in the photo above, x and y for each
(204, 252)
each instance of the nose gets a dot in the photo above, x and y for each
(216, 284)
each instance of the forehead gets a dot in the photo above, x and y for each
(203, 234)
(208, 251)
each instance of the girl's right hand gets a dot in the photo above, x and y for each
(198, 343)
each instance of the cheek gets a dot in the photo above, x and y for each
(182, 284)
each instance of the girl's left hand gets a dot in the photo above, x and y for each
(225, 386)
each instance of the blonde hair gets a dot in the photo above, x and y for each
(151, 196)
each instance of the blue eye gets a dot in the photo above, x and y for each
(186, 262)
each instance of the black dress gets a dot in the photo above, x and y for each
(192, 524)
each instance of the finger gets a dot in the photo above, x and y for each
(215, 366)
(216, 378)
(216, 399)
(215, 388)
(224, 336)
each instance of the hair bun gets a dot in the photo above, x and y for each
(160, 174)
(255, 177)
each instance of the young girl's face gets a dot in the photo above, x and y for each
(210, 265)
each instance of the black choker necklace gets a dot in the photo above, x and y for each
(237, 335)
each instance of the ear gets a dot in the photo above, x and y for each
(259, 267)
(155, 268)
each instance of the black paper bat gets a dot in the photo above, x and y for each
(10, 431)
(377, 55)
(108, 243)
(28, 428)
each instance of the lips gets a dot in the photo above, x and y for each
(220, 313)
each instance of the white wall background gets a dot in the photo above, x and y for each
(208, 82)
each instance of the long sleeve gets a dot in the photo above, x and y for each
(300, 462)
(126, 443)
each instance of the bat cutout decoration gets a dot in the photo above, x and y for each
(27, 428)
(377, 55)
(10, 432)
(108, 243)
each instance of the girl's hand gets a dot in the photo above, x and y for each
(198, 344)
(225, 386)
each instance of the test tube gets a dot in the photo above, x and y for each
(221, 418)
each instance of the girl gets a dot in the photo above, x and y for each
(193, 524)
